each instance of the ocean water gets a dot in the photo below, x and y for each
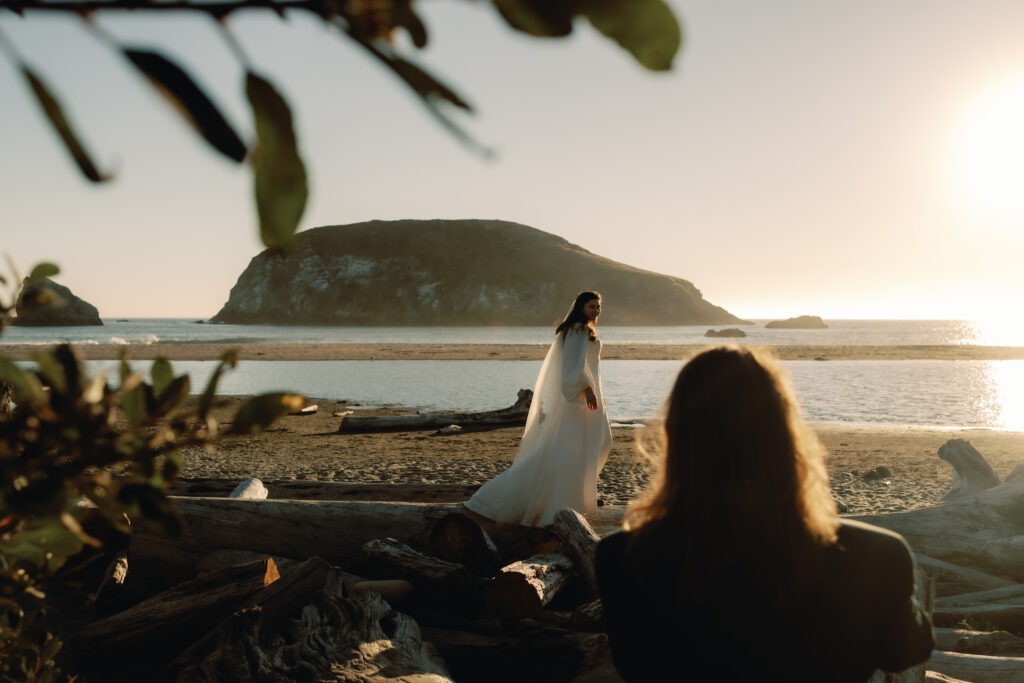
(937, 394)
(861, 332)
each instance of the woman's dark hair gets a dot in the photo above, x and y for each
(576, 316)
(742, 492)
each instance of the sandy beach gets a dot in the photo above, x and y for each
(389, 351)
(310, 448)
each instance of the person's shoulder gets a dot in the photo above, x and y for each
(853, 534)
(870, 552)
(611, 549)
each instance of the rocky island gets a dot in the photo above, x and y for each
(451, 272)
(47, 304)
(801, 322)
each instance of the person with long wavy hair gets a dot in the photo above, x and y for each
(567, 436)
(736, 561)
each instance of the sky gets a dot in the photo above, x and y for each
(849, 159)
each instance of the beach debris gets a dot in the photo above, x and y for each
(579, 542)
(978, 642)
(971, 473)
(308, 410)
(450, 429)
(878, 474)
(522, 588)
(514, 415)
(457, 538)
(977, 668)
(342, 413)
(250, 489)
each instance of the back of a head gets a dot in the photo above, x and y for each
(742, 481)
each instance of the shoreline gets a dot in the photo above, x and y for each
(310, 448)
(389, 351)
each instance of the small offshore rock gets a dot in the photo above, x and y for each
(801, 322)
(728, 332)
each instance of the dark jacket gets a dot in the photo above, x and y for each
(859, 616)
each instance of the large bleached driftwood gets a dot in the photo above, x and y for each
(513, 415)
(524, 587)
(579, 542)
(978, 668)
(953, 579)
(984, 530)
(334, 530)
(971, 473)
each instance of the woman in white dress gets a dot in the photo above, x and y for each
(567, 436)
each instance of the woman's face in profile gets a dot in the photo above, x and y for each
(592, 309)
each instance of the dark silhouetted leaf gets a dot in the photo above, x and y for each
(61, 124)
(27, 388)
(281, 189)
(43, 271)
(405, 17)
(646, 28)
(228, 358)
(259, 412)
(173, 462)
(153, 506)
(171, 397)
(545, 18)
(187, 97)
(162, 374)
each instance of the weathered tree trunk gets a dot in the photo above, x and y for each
(319, 633)
(579, 542)
(296, 529)
(971, 473)
(513, 415)
(1006, 594)
(446, 582)
(952, 579)
(979, 642)
(1009, 617)
(589, 617)
(458, 538)
(978, 668)
(984, 530)
(166, 619)
(523, 588)
(331, 490)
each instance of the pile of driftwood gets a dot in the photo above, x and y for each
(337, 586)
(514, 415)
(284, 590)
(971, 546)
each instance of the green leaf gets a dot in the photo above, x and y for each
(646, 28)
(544, 18)
(43, 271)
(171, 397)
(173, 462)
(43, 543)
(51, 370)
(27, 388)
(228, 358)
(190, 101)
(133, 401)
(259, 412)
(162, 374)
(281, 190)
(51, 107)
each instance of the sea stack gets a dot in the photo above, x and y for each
(47, 304)
(801, 322)
(451, 272)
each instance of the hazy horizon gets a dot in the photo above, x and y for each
(848, 160)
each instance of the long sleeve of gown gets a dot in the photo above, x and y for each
(574, 364)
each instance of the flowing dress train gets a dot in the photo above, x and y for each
(565, 443)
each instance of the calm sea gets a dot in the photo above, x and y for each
(945, 394)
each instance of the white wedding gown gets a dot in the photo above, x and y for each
(564, 446)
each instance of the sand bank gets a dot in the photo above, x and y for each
(387, 351)
(309, 448)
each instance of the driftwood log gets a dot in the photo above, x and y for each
(513, 415)
(331, 490)
(983, 531)
(288, 528)
(524, 587)
(979, 642)
(579, 542)
(314, 629)
(971, 472)
(953, 579)
(457, 537)
(169, 618)
(977, 668)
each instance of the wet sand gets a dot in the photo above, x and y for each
(310, 448)
(387, 351)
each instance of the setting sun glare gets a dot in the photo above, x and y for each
(989, 157)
